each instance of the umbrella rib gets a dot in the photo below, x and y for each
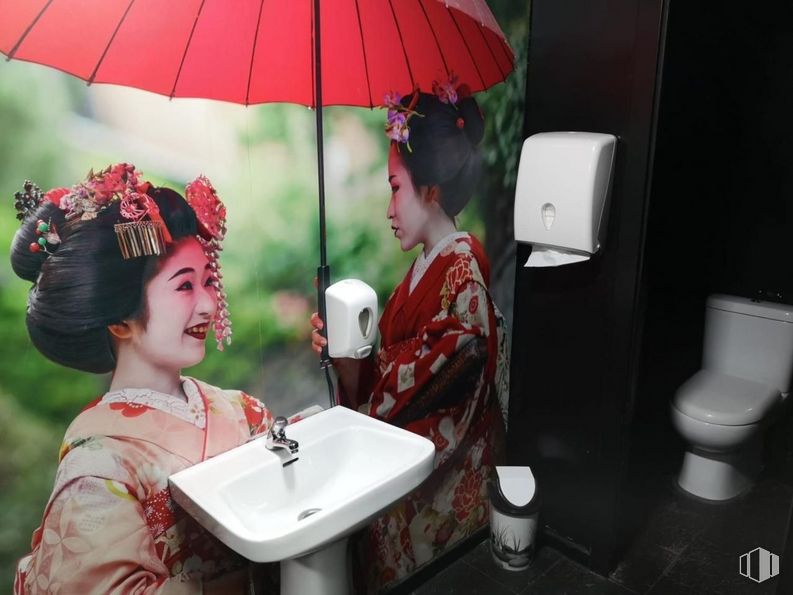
(253, 53)
(186, 48)
(363, 53)
(492, 53)
(467, 47)
(28, 30)
(508, 53)
(435, 37)
(110, 42)
(402, 43)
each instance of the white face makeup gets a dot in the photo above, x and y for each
(409, 211)
(181, 302)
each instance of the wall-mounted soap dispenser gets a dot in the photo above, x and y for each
(562, 194)
(352, 318)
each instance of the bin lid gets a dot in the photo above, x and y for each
(517, 484)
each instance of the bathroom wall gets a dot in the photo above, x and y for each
(592, 67)
(702, 203)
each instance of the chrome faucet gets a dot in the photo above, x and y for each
(276, 437)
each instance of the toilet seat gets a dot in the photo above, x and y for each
(725, 400)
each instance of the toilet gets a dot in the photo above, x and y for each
(722, 410)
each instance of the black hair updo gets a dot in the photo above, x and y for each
(85, 284)
(444, 142)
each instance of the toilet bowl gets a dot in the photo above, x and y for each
(722, 418)
(723, 409)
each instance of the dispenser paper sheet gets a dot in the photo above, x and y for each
(545, 257)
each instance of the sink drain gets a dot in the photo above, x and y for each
(307, 513)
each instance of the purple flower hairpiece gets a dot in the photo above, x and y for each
(396, 127)
(446, 91)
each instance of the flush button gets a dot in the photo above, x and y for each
(362, 352)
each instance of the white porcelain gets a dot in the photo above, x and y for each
(752, 340)
(723, 409)
(709, 436)
(721, 461)
(350, 468)
(725, 400)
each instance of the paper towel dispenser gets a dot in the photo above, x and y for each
(562, 192)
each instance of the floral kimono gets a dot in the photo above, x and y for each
(110, 525)
(439, 315)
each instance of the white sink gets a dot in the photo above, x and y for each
(349, 468)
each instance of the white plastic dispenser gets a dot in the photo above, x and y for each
(351, 308)
(562, 195)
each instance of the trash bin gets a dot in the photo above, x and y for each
(514, 512)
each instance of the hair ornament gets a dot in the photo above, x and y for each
(396, 127)
(47, 235)
(446, 91)
(137, 236)
(27, 200)
(211, 215)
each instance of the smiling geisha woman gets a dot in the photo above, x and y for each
(441, 370)
(125, 280)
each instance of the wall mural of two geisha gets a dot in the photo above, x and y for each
(441, 262)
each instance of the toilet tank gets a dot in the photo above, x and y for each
(748, 339)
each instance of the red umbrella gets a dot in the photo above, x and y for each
(257, 51)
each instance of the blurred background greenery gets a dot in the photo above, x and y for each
(262, 161)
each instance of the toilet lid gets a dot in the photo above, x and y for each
(724, 400)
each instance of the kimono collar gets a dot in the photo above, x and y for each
(423, 262)
(224, 425)
(191, 410)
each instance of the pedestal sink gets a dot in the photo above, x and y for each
(350, 467)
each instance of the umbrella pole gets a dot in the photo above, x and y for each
(323, 271)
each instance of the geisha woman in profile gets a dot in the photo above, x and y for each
(441, 370)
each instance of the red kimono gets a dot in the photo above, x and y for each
(414, 382)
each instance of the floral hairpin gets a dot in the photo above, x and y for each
(451, 93)
(211, 215)
(396, 127)
(446, 91)
(143, 233)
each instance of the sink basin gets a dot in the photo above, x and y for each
(350, 467)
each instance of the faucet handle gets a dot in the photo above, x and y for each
(279, 425)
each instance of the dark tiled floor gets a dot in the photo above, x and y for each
(551, 574)
(686, 546)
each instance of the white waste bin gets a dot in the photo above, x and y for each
(514, 512)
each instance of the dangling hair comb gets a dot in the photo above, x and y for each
(211, 215)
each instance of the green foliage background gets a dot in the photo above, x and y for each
(269, 260)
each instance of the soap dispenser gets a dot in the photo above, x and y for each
(351, 307)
